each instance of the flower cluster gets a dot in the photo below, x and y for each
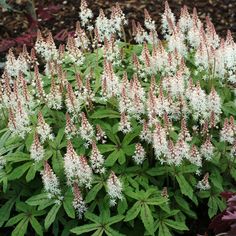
(50, 182)
(78, 202)
(114, 187)
(36, 151)
(139, 154)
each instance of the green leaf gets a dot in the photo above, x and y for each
(115, 219)
(233, 173)
(213, 207)
(185, 187)
(111, 232)
(122, 206)
(91, 195)
(31, 174)
(17, 157)
(51, 215)
(147, 218)
(184, 205)
(15, 219)
(4, 138)
(221, 204)
(46, 203)
(133, 212)
(57, 163)
(156, 201)
(176, 224)
(36, 226)
(130, 136)
(98, 232)
(5, 210)
(188, 169)
(37, 199)
(104, 148)
(19, 171)
(134, 195)
(92, 217)
(129, 150)
(110, 161)
(157, 171)
(163, 230)
(217, 180)
(84, 228)
(29, 140)
(67, 204)
(121, 158)
(60, 136)
(105, 113)
(21, 228)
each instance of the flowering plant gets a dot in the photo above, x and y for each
(113, 133)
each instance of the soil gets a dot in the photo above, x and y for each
(60, 16)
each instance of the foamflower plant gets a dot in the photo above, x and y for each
(104, 137)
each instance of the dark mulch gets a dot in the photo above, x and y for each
(60, 16)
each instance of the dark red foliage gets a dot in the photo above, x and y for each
(225, 222)
(46, 12)
(227, 195)
(6, 44)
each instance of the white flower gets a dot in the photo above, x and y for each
(70, 129)
(227, 133)
(85, 14)
(47, 49)
(168, 21)
(173, 156)
(198, 103)
(139, 154)
(50, 181)
(78, 202)
(36, 150)
(97, 160)
(160, 143)
(77, 168)
(103, 26)
(146, 134)
(176, 42)
(73, 104)
(214, 104)
(100, 134)
(43, 129)
(124, 125)
(204, 183)
(19, 122)
(207, 149)
(71, 163)
(84, 173)
(114, 188)
(185, 21)
(182, 148)
(86, 130)
(195, 157)
(193, 37)
(110, 82)
(15, 66)
(162, 104)
(148, 22)
(54, 98)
